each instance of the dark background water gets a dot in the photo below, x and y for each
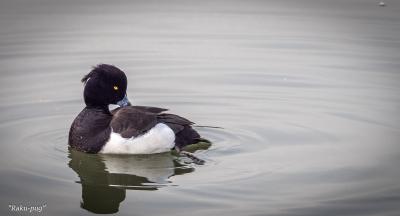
(305, 92)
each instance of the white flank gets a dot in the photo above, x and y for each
(160, 138)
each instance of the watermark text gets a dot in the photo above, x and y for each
(27, 208)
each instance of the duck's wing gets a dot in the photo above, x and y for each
(175, 122)
(184, 133)
(132, 122)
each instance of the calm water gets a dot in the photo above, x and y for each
(304, 95)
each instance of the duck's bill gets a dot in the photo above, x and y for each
(124, 102)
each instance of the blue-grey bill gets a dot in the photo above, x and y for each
(124, 102)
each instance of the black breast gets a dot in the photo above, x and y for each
(90, 130)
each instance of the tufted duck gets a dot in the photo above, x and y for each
(127, 129)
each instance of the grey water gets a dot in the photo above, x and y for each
(302, 96)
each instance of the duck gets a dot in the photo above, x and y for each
(127, 129)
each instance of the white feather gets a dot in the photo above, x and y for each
(160, 138)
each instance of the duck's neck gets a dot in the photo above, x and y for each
(99, 117)
(102, 109)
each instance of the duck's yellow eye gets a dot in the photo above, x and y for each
(116, 88)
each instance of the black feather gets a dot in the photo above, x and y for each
(135, 120)
(184, 133)
(131, 122)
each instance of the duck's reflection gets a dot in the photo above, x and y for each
(105, 178)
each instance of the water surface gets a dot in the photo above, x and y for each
(304, 96)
